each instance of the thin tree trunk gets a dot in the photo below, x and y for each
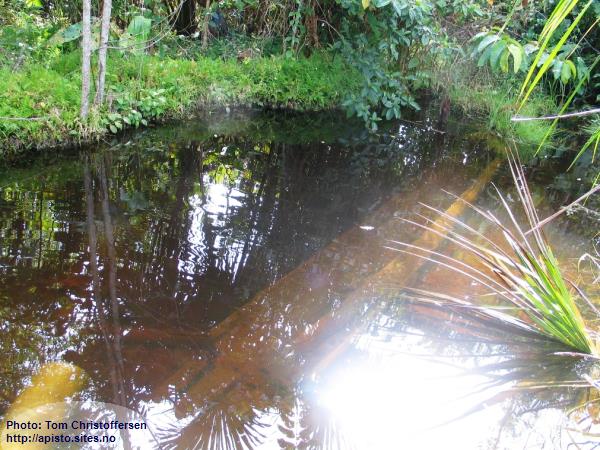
(86, 58)
(103, 50)
(311, 24)
(206, 21)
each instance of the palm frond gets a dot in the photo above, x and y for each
(584, 79)
(558, 16)
(520, 269)
(592, 129)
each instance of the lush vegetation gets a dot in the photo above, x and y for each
(152, 60)
(145, 88)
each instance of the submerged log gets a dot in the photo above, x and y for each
(271, 340)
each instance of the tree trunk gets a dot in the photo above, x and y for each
(206, 22)
(311, 25)
(103, 50)
(444, 112)
(86, 58)
(185, 18)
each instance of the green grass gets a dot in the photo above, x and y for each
(500, 105)
(494, 101)
(51, 95)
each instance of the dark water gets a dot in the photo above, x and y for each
(229, 279)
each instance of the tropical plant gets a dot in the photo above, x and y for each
(22, 38)
(495, 48)
(521, 272)
(592, 129)
(131, 112)
(135, 37)
(542, 61)
(567, 30)
(553, 24)
(384, 40)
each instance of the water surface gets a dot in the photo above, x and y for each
(229, 279)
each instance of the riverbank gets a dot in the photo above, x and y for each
(39, 106)
(484, 97)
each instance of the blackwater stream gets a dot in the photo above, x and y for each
(228, 278)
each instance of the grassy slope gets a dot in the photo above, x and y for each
(53, 93)
(498, 105)
(493, 101)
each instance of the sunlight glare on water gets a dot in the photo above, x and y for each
(397, 398)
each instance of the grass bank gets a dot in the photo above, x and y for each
(39, 105)
(493, 101)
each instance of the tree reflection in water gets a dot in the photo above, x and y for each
(220, 282)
